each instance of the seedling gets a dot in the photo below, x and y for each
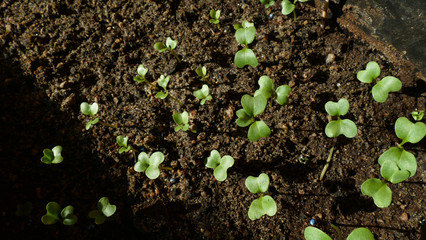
(203, 94)
(264, 204)
(122, 142)
(267, 89)
(383, 87)
(162, 82)
(169, 46)
(338, 127)
(91, 110)
(253, 106)
(142, 71)
(202, 72)
(103, 211)
(52, 216)
(313, 233)
(267, 3)
(52, 156)
(182, 119)
(245, 35)
(150, 164)
(288, 7)
(219, 164)
(215, 14)
(418, 115)
(378, 190)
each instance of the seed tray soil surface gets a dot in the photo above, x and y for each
(57, 54)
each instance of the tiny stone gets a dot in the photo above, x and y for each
(312, 222)
(271, 16)
(404, 216)
(330, 58)
(172, 180)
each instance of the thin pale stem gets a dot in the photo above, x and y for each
(108, 125)
(294, 14)
(327, 163)
(166, 168)
(176, 56)
(174, 98)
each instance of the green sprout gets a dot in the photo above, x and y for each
(52, 216)
(267, 3)
(91, 110)
(182, 121)
(288, 7)
(338, 127)
(122, 142)
(203, 94)
(264, 204)
(215, 14)
(396, 163)
(169, 46)
(162, 82)
(245, 35)
(418, 115)
(202, 72)
(267, 89)
(382, 88)
(150, 164)
(140, 78)
(219, 164)
(52, 156)
(313, 233)
(253, 106)
(103, 211)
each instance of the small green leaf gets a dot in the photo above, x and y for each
(313, 233)
(162, 95)
(258, 184)
(142, 70)
(53, 210)
(220, 172)
(201, 71)
(163, 81)
(122, 141)
(87, 109)
(408, 131)
(361, 234)
(215, 14)
(245, 57)
(149, 165)
(245, 35)
(267, 3)
(181, 118)
(253, 106)
(261, 206)
(382, 88)
(68, 216)
(418, 115)
(170, 43)
(98, 216)
(213, 160)
(371, 72)
(342, 126)
(143, 162)
(378, 190)
(391, 172)
(287, 7)
(243, 118)
(105, 207)
(337, 109)
(266, 87)
(282, 94)
(403, 159)
(159, 46)
(52, 156)
(257, 130)
(202, 94)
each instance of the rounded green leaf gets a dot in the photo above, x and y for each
(245, 57)
(313, 233)
(261, 206)
(403, 159)
(336, 109)
(105, 207)
(382, 88)
(48, 156)
(87, 109)
(49, 219)
(53, 210)
(160, 47)
(408, 131)
(342, 126)
(181, 118)
(156, 159)
(122, 141)
(170, 43)
(142, 70)
(361, 234)
(287, 7)
(257, 130)
(258, 184)
(202, 93)
(142, 163)
(152, 172)
(378, 190)
(282, 94)
(57, 153)
(391, 172)
(253, 106)
(220, 171)
(243, 118)
(213, 160)
(371, 72)
(245, 35)
(266, 87)
(68, 215)
(201, 71)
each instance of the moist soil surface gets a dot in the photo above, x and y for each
(57, 54)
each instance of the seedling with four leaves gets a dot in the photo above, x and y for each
(245, 35)
(396, 163)
(289, 7)
(203, 94)
(169, 46)
(104, 210)
(267, 89)
(52, 156)
(182, 121)
(150, 164)
(214, 15)
(54, 214)
(383, 87)
(253, 106)
(122, 142)
(313, 233)
(219, 164)
(265, 204)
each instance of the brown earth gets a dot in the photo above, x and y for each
(58, 54)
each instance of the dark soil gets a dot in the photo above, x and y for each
(58, 54)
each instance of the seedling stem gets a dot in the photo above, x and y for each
(328, 162)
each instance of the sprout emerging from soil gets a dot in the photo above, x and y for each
(267, 89)
(122, 142)
(214, 15)
(267, 3)
(245, 35)
(203, 94)
(313, 233)
(383, 87)
(202, 72)
(219, 164)
(52, 156)
(264, 204)
(149, 164)
(418, 115)
(52, 216)
(288, 7)
(142, 71)
(182, 121)
(162, 82)
(253, 106)
(104, 210)
(169, 46)
(91, 110)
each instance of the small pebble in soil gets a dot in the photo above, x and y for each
(330, 58)
(142, 149)
(172, 180)
(271, 16)
(312, 222)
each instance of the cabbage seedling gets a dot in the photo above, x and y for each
(122, 142)
(245, 35)
(288, 7)
(169, 46)
(253, 106)
(54, 214)
(267, 3)
(219, 164)
(264, 204)
(214, 15)
(202, 72)
(203, 94)
(52, 156)
(103, 211)
(91, 110)
(162, 82)
(149, 164)
(418, 115)
(313, 233)
(378, 190)
(182, 121)
(267, 89)
(383, 87)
